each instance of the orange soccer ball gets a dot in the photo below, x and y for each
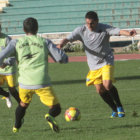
(72, 114)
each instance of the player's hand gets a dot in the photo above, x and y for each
(62, 43)
(3, 66)
(59, 46)
(133, 32)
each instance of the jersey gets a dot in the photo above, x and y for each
(96, 44)
(32, 56)
(8, 70)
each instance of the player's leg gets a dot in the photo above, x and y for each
(55, 110)
(10, 79)
(25, 96)
(19, 115)
(7, 97)
(50, 117)
(107, 83)
(14, 93)
(106, 97)
(95, 78)
(48, 98)
(112, 90)
(4, 93)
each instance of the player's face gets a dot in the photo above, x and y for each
(91, 24)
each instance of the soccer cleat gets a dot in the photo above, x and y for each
(8, 101)
(3, 98)
(52, 123)
(121, 112)
(114, 114)
(15, 130)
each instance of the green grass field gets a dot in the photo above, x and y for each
(69, 85)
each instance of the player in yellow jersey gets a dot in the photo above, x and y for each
(7, 74)
(32, 55)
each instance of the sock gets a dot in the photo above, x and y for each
(15, 94)
(55, 110)
(108, 99)
(4, 93)
(114, 94)
(20, 112)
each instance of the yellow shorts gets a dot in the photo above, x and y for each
(46, 95)
(97, 76)
(9, 79)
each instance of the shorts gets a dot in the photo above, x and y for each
(9, 79)
(46, 95)
(96, 77)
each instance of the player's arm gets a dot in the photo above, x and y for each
(8, 39)
(117, 31)
(128, 33)
(112, 31)
(10, 60)
(75, 35)
(63, 43)
(8, 51)
(57, 54)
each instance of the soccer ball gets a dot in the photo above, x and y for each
(72, 114)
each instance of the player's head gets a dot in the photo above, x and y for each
(30, 26)
(91, 18)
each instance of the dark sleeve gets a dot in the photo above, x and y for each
(57, 54)
(8, 51)
(8, 39)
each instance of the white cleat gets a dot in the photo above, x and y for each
(8, 101)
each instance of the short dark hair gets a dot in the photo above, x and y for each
(30, 25)
(91, 15)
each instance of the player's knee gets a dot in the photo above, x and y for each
(25, 105)
(100, 90)
(55, 110)
(12, 89)
(107, 85)
(21, 108)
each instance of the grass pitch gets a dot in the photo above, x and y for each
(69, 84)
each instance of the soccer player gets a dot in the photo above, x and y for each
(32, 52)
(95, 38)
(7, 74)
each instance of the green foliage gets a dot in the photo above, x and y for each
(132, 48)
(73, 47)
(69, 85)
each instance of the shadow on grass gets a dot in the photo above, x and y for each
(68, 82)
(77, 81)
(76, 129)
(125, 126)
(134, 77)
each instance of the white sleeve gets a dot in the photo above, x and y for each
(112, 30)
(75, 35)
